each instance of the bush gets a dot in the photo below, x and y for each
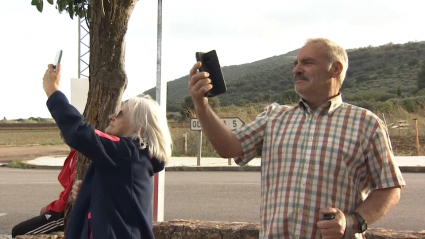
(421, 92)
(371, 96)
(385, 107)
(413, 62)
(409, 105)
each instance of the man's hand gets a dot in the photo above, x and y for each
(43, 210)
(51, 79)
(75, 190)
(199, 84)
(335, 228)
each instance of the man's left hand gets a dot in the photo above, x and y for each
(51, 79)
(332, 229)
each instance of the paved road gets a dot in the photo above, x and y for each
(213, 196)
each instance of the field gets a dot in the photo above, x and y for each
(22, 141)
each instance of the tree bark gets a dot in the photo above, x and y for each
(107, 77)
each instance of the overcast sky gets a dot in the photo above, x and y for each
(240, 32)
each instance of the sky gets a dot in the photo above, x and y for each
(240, 31)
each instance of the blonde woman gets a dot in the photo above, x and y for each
(114, 200)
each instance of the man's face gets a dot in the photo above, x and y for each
(119, 122)
(312, 73)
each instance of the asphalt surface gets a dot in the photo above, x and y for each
(208, 196)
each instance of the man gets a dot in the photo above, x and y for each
(320, 157)
(51, 216)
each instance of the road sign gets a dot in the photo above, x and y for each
(231, 122)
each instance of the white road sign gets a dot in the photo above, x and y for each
(231, 122)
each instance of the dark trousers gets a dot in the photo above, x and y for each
(45, 223)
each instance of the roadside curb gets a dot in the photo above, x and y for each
(412, 169)
(214, 168)
(403, 169)
(175, 168)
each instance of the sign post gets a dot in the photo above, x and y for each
(161, 98)
(231, 122)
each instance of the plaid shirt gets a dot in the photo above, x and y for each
(332, 157)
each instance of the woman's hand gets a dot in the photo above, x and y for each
(51, 79)
(75, 190)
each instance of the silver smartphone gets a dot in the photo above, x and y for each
(58, 59)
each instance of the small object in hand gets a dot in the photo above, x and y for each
(328, 216)
(57, 59)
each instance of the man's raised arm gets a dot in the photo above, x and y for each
(221, 137)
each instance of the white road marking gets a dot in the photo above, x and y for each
(3, 214)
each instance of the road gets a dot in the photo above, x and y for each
(209, 196)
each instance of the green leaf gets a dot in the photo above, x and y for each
(50, 1)
(71, 12)
(34, 2)
(40, 6)
(61, 4)
(78, 10)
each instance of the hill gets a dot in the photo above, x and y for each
(375, 74)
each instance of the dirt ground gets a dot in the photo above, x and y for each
(8, 154)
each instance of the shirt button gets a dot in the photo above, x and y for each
(300, 210)
(307, 161)
(297, 237)
(303, 185)
(311, 138)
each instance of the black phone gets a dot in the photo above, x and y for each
(211, 65)
(328, 216)
(58, 59)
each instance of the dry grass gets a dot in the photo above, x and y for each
(17, 137)
(403, 139)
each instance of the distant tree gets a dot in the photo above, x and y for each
(413, 62)
(421, 77)
(187, 109)
(398, 91)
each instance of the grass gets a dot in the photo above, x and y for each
(16, 164)
(17, 137)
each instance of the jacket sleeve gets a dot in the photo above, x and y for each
(99, 147)
(66, 178)
(60, 204)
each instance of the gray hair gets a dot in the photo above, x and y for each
(333, 53)
(151, 123)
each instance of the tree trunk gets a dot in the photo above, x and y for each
(107, 80)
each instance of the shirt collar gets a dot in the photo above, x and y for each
(326, 108)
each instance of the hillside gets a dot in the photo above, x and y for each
(374, 74)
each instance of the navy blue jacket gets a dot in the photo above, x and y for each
(117, 188)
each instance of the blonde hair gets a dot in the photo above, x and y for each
(153, 132)
(333, 53)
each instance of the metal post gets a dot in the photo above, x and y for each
(161, 93)
(161, 98)
(418, 147)
(79, 47)
(81, 51)
(184, 149)
(198, 162)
